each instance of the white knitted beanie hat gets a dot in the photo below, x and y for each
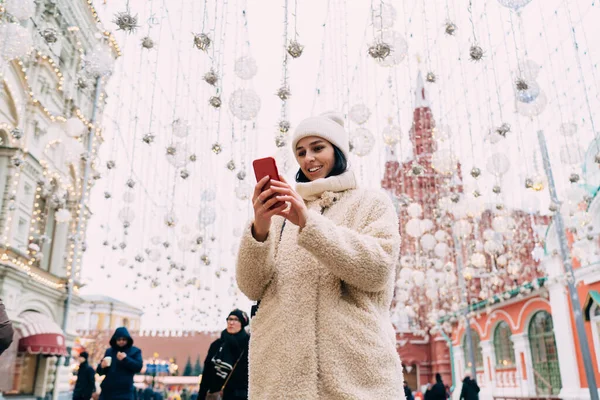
(329, 126)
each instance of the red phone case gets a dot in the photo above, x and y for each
(266, 167)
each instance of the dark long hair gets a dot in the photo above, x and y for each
(339, 167)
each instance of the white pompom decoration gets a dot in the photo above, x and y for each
(478, 260)
(413, 228)
(428, 241)
(441, 249)
(441, 236)
(414, 210)
(462, 228)
(15, 41)
(74, 127)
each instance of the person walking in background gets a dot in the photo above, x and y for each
(6, 329)
(226, 364)
(120, 363)
(407, 392)
(323, 266)
(470, 389)
(85, 386)
(438, 390)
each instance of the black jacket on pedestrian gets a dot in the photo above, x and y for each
(225, 351)
(6, 329)
(470, 390)
(86, 382)
(118, 381)
(148, 394)
(408, 393)
(438, 391)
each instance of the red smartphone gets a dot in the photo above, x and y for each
(266, 167)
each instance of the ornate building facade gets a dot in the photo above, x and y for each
(48, 138)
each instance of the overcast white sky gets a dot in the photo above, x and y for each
(149, 89)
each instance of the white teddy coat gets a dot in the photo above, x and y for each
(323, 329)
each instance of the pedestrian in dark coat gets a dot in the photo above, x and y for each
(86, 379)
(438, 390)
(223, 354)
(407, 392)
(148, 394)
(125, 360)
(470, 389)
(6, 329)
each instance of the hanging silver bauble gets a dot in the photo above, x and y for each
(475, 172)
(107, 195)
(193, 158)
(284, 126)
(528, 183)
(211, 77)
(16, 133)
(215, 101)
(216, 148)
(476, 53)
(110, 164)
(50, 35)
(148, 138)
(241, 175)
(82, 83)
(130, 183)
(147, 42)
(450, 28)
(503, 129)
(597, 158)
(280, 141)
(202, 41)
(295, 49)
(126, 22)
(496, 189)
(379, 50)
(574, 178)
(527, 92)
(283, 93)
(231, 165)
(431, 77)
(184, 173)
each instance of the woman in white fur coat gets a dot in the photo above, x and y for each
(323, 266)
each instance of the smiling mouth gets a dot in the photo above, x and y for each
(314, 169)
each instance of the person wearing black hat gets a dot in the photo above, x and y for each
(86, 379)
(226, 364)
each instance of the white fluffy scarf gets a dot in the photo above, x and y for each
(315, 189)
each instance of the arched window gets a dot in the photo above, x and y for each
(476, 350)
(595, 321)
(503, 346)
(544, 354)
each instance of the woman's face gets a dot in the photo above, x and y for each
(315, 156)
(233, 325)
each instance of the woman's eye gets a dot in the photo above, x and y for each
(301, 154)
(318, 148)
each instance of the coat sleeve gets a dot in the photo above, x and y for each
(91, 376)
(133, 362)
(255, 264)
(102, 371)
(364, 258)
(207, 373)
(6, 329)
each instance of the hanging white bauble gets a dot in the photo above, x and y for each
(441, 236)
(498, 164)
(407, 261)
(122, 262)
(426, 225)
(575, 194)
(20, 9)
(437, 263)
(129, 196)
(362, 141)
(414, 210)
(442, 132)
(477, 246)
(170, 219)
(478, 260)
(398, 48)
(185, 244)
(514, 267)
(63, 215)
(185, 229)
(155, 240)
(451, 279)
(462, 228)
(418, 277)
(244, 104)
(154, 255)
(406, 273)
(392, 134)
(514, 4)
(243, 191)
(493, 247)
(441, 250)
(530, 94)
(500, 224)
(490, 234)
(445, 203)
(15, 41)
(402, 296)
(126, 215)
(428, 241)
(208, 195)
(207, 216)
(443, 161)
(99, 61)
(571, 154)
(359, 114)
(285, 160)
(530, 70)
(383, 16)
(535, 107)
(502, 260)
(245, 67)
(431, 294)
(74, 127)
(413, 228)
(178, 155)
(530, 202)
(181, 128)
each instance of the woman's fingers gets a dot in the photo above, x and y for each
(264, 196)
(259, 186)
(289, 198)
(276, 211)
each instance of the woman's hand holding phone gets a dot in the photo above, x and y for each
(297, 213)
(262, 202)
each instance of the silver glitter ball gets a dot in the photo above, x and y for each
(496, 189)
(105, 243)
(193, 158)
(450, 28)
(241, 175)
(199, 240)
(416, 169)
(166, 245)
(16, 133)
(211, 77)
(216, 148)
(553, 207)
(147, 42)
(148, 138)
(284, 126)
(476, 53)
(295, 49)
(379, 50)
(171, 150)
(184, 174)
(283, 93)
(455, 198)
(50, 35)
(82, 83)
(574, 178)
(503, 129)
(202, 41)
(475, 172)
(280, 141)
(110, 164)
(231, 165)
(126, 225)
(107, 195)
(528, 183)
(521, 84)
(130, 183)
(215, 101)
(122, 245)
(17, 161)
(499, 207)
(476, 193)
(431, 77)
(126, 22)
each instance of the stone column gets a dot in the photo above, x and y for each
(459, 370)
(525, 379)
(489, 366)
